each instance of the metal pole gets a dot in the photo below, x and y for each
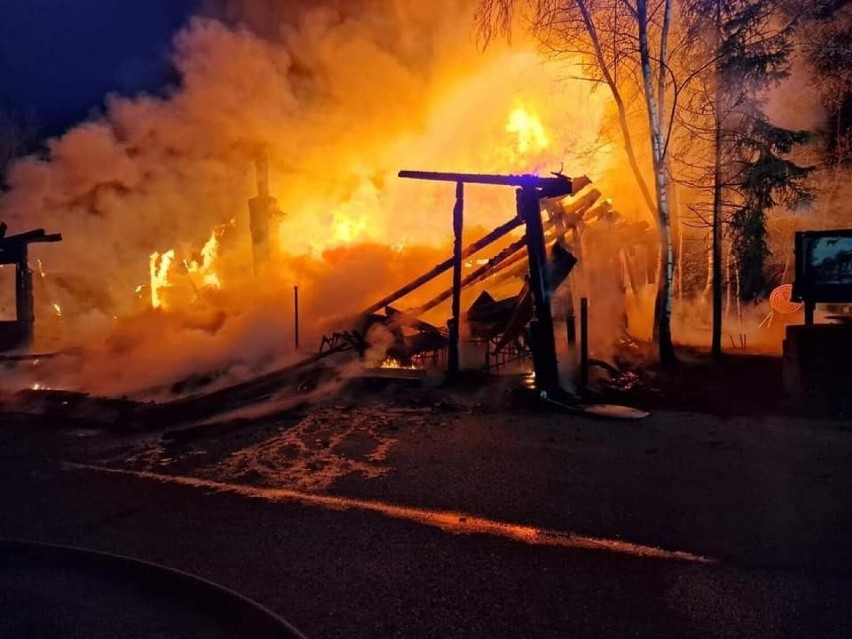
(584, 341)
(458, 223)
(296, 316)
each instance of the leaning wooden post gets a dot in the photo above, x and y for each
(570, 318)
(541, 328)
(584, 341)
(455, 322)
(24, 305)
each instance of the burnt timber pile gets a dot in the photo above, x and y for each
(568, 227)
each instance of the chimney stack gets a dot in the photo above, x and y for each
(261, 209)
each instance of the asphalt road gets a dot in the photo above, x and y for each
(768, 503)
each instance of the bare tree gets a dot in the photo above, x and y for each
(17, 136)
(624, 44)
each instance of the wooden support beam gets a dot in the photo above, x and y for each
(444, 266)
(52, 237)
(580, 203)
(494, 264)
(453, 363)
(24, 306)
(584, 341)
(541, 328)
(28, 236)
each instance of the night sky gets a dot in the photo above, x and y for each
(59, 58)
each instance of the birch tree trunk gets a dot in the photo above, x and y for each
(621, 107)
(655, 103)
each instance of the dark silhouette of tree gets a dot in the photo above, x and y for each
(826, 45)
(741, 49)
(18, 136)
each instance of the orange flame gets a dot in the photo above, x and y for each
(528, 130)
(391, 362)
(159, 265)
(203, 273)
(205, 270)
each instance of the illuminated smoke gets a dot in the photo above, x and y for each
(339, 96)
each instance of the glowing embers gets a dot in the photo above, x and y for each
(391, 362)
(528, 130)
(392, 368)
(197, 274)
(57, 309)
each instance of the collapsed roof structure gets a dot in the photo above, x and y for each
(579, 226)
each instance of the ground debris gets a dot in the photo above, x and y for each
(326, 445)
(69, 408)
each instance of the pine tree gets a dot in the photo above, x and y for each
(742, 49)
(754, 56)
(766, 180)
(826, 48)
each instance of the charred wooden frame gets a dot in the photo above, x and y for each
(14, 249)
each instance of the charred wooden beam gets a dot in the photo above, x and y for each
(28, 236)
(401, 318)
(444, 266)
(495, 263)
(599, 210)
(584, 341)
(541, 328)
(581, 203)
(515, 260)
(52, 237)
(455, 322)
(554, 186)
(531, 191)
(24, 304)
(14, 250)
(509, 256)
